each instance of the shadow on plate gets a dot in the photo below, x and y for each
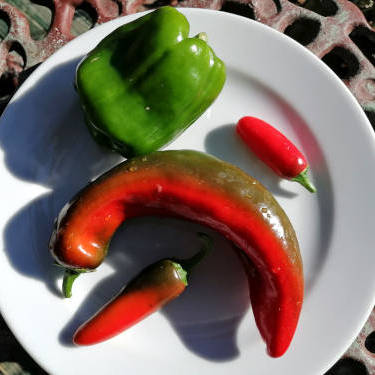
(206, 316)
(222, 140)
(57, 152)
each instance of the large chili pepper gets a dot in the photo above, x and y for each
(198, 187)
(154, 287)
(275, 150)
(147, 82)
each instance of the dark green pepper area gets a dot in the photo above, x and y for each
(146, 82)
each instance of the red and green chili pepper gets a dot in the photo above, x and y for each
(275, 150)
(198, 187)
(153, 288)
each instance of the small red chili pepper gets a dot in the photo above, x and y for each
(154, 287)
(275, 150)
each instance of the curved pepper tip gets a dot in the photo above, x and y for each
(278, 345)
(276, 351)
(79, 339)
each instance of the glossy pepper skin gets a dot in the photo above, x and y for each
(154, 287)
(146, 82)
(275, 150)
(195, 186)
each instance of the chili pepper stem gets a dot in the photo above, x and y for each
(304, 181)
(69, 277)
(182, 274)
(188, 264)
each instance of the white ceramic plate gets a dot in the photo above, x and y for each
(47, 155)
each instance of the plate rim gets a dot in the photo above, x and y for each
(48, 63)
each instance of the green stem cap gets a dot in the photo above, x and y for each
(69, 277)
(189, 264)
(303, 179)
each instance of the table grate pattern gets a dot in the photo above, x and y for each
(337, 31)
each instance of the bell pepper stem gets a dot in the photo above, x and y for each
(189, 264)
(69, 277)
(303, 179)
(202, 36)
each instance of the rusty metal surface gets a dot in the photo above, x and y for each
(334, 35)
(335, 30)
(31, 52)
(360, 357)
(332, 42)
(13, 358)
(362, 349)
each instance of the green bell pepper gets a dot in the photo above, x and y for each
(146, 82)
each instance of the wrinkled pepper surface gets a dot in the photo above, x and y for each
(198, 187)
(154, 287)
(147, 81)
